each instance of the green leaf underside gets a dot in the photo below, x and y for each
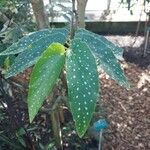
(32, 54)
(105, 58)
(44, 76)
(83, 84)
(118, 51)
(32, 39)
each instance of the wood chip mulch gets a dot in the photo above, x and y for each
(128, 112)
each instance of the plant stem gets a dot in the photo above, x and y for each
(56, 128)
(73, 20)
(100, 140)
(81, 5)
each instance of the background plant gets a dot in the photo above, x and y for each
(16, 21)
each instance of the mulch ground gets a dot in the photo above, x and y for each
(128, 112)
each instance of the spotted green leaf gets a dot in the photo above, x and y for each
(31, 55)
(32, 39)
(83, 84)
(105, 57)
(44, 76)
(118, 51)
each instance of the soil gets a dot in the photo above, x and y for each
(128, 112)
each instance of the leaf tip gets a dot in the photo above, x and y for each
(128, 86)
(31, 116)
(81, 130)
(80, 133)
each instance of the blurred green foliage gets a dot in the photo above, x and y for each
(15, 22)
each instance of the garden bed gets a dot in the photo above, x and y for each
(127, 112)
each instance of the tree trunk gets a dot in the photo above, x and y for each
(81, 5)
(108, 4)
(39, 13)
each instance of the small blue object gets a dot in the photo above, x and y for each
(100, 124)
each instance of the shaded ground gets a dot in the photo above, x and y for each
(128, 111)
